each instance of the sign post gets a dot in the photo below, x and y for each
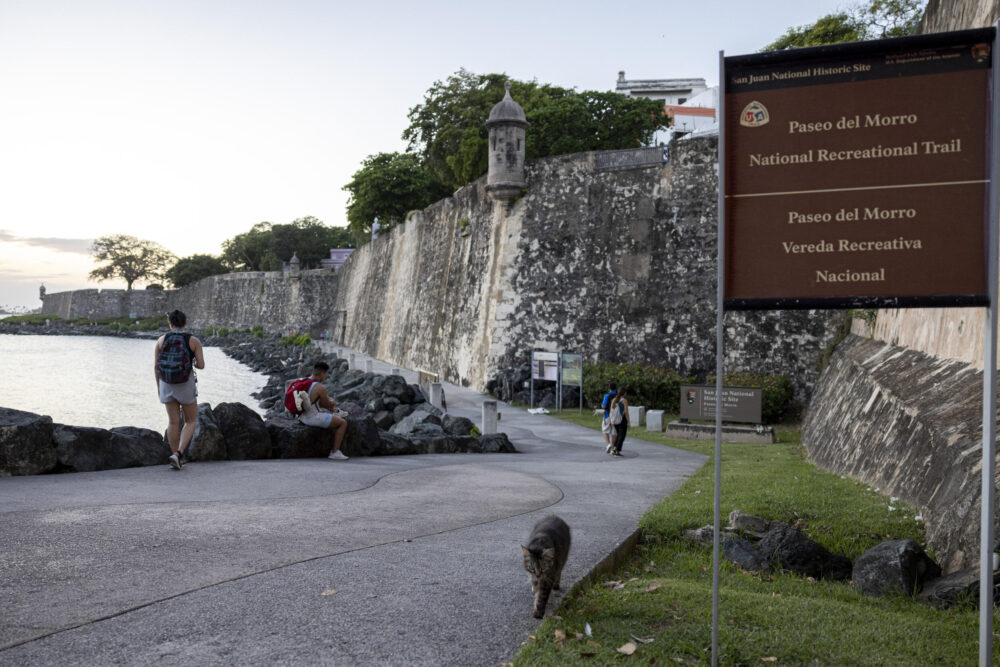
(858, 176)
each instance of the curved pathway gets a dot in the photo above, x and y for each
(396, 560)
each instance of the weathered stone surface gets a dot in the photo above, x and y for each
(362, 437)
(294, 440)
(25, 443)
(788, 548)
(703, 536)
(457, 425)
(897, 567)
(208, 442)
(132, 446)
(244, 431)
(410, 423)
(496, 443)
(395, 387)
(391, 444)
(911, 425)
(384, 420)
(401, 411)
(748, 524)
(744, 554)
(955, 588)
(82, 448)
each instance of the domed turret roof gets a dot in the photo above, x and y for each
(507, 111)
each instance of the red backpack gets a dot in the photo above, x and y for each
(302, 385)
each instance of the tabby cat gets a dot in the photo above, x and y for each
(544, 558)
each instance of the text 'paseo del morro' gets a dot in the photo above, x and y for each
(877, 152)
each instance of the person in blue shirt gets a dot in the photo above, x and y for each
(606, 428)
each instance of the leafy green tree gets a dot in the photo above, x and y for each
(448, 129)
(387, 187)
(266, 245)
(191, 269)
(129, 258)
(875, 19)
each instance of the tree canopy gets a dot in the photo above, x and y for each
(129, 258)
(266, 245)
(387, 187)
(875, 19)
(191, 269)
(448, 129)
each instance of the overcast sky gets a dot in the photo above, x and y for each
(186, 122)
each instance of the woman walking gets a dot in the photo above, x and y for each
(178, 353)
(620, 403)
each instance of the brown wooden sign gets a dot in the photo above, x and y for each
(739, 404)
(857, 175)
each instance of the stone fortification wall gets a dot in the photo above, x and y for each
(944, 15)
(617, 265)
(99, 304)
(911, 425)
(274, 300)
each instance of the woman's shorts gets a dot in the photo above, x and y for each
(606, 426)
(184, 393)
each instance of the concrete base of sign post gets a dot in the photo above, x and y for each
(636, 415)
(489, 423)
(437, 395)
(730, 433)
(352, 362)
(369, 365)
(654, 421)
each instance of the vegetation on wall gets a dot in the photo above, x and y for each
(191, 269)
(266, 245)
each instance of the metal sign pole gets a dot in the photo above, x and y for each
(720, 295)
(531, 382)
(559, 379)
(580, 389)
(987, 495)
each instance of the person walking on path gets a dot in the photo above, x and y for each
(178, 353)
(606, 428)
(620, 403)
(318, 411)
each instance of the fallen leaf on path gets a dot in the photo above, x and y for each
(627, 649)
(769, 658)
(330, 591)
(578, 635)
(611, 584)
(559, 635)
(633, 579)
(643, 640)
(652, 587)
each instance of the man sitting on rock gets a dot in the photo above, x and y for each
(318, 411)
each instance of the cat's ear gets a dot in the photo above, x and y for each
(524, 551)
(549, 554)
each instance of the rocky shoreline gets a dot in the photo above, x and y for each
(386, 416)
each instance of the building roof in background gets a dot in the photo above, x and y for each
(657, 85)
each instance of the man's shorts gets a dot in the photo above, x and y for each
(606, 426)
(316, 418)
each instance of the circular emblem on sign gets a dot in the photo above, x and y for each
(754, 115)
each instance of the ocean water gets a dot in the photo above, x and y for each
(104, 381)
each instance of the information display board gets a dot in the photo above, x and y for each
(739, 404)
(571, 375)
(857, 175)
(545, 366)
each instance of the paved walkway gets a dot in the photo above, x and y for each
(398, 560)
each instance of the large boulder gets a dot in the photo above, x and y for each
(244, 431)
(294, 440)
(495, 443)
(25, 443)
(409, 425)
(791, 550)
(401, 411)
(391, 444)
(957, 587)
(132, 446)
(748, 524)
(892, 568)
(82, 448)
(208, 443)
(362, 437)
(395, 387)
(745, 555)
(457, 425)
(383, 419)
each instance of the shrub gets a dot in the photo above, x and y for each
(777, 396)
(304, 340)
(651, 386)
(32, 319)
(258, 331)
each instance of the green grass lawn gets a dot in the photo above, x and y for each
(665, 606)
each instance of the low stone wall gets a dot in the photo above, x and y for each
(911, 425)
(98, 304)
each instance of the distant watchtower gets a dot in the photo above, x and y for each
(506, 126)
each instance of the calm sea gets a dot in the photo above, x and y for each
(104, 381)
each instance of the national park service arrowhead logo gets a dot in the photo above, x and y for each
(754, 115)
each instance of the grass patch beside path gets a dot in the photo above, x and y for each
(771, 619)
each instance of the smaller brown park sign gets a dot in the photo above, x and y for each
(739, 404)
(857, 175)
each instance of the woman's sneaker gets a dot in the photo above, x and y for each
(607, 450)
(337, 456)
(175, 461)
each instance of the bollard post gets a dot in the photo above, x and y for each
(369, 365)
(489, 424)
(353, 364)
(395, 371)
(436, 394)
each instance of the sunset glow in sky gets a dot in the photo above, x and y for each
(187, 122)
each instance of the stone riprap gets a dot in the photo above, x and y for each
(910, 425)
(617, 265)
(897, 567)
